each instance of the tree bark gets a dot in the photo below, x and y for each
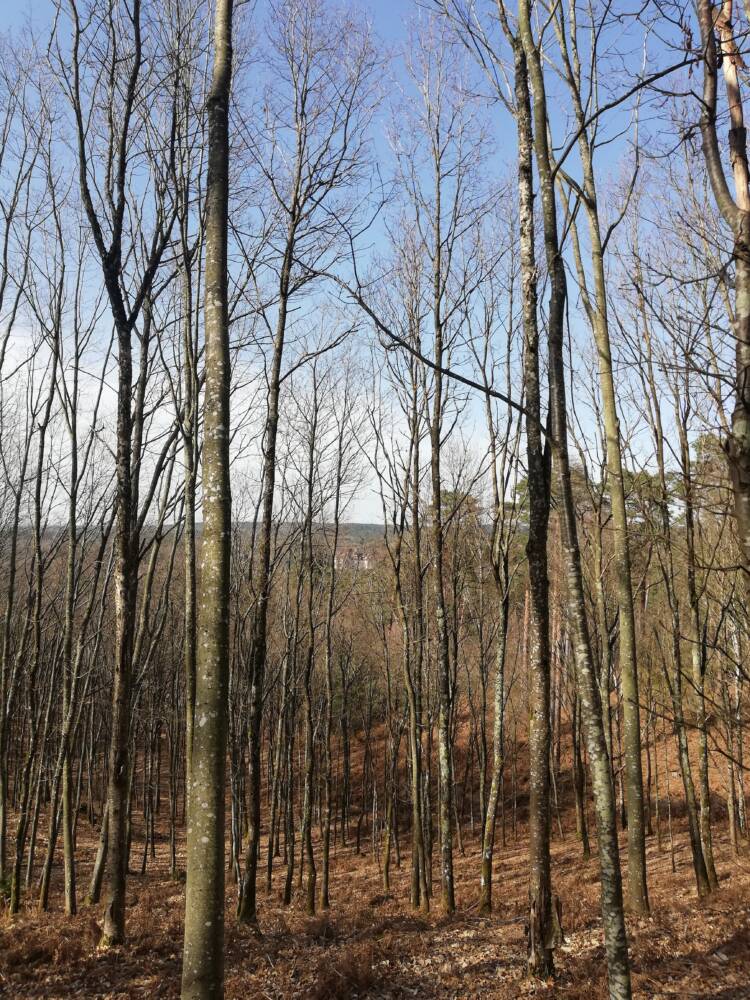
(611, 884)
(203, 957)
(736, 213)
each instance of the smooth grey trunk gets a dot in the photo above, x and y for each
(203, 956)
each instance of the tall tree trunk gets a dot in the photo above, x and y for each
(609, 858)
(540, 959)
(445, 763)
(308, 567)
(203, 958)
(698, 660)
(247, 910)
(597, 313)
(190, 423)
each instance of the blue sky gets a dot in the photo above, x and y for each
(387, 15)
(18, 11)
(389, 18)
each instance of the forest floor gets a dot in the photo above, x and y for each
(372, 945)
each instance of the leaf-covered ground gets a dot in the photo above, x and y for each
(372, 945)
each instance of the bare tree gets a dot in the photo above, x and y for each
(107, 51)
(309, 149)
(596, 309)
(618, 966)
(203, 958)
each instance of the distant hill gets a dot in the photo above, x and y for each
(350, 532)
(360, 532)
